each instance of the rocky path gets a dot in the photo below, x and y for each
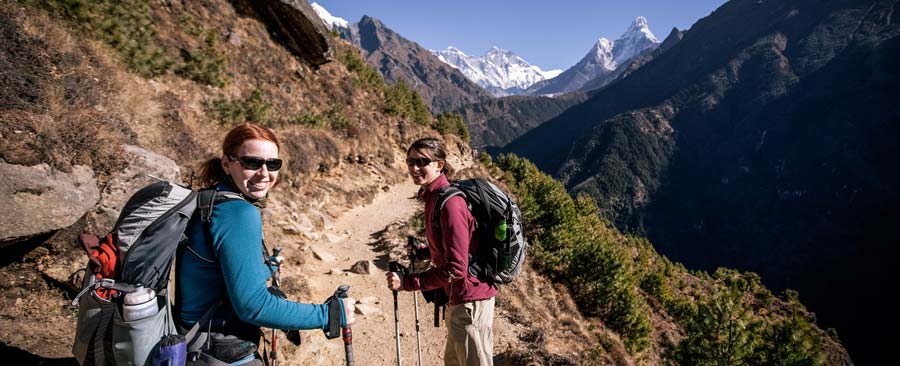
(354, 237)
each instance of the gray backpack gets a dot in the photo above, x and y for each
(145, 238)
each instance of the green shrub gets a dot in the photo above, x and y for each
(793, 341)
(335, 119)
(255, 108)
(485, 159)
(571, 243)
(451, 123)
(363, 74)
(400, 100)
(206, 64)
(125, 25)
(190, 26)
(310, 119)
(724, 330)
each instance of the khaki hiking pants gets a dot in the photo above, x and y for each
(470, 334)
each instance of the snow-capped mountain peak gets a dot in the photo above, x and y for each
(639, 29)
(500, 71)
(635, 40)
(603, 60)
(330, 21)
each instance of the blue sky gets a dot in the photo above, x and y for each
(549, 34)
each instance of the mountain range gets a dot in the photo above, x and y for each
(442, 87)
(499, 71)
(763, 140)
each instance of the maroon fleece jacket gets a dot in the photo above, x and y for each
(450, 252)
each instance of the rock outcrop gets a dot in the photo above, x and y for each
(39, 199)
(296, 26)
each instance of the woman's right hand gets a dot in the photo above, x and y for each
(349, 310)
(393, 280)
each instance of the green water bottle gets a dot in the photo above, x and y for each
(500, 231)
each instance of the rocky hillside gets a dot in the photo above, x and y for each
(761, 141)
(97, 96)
(398, 59)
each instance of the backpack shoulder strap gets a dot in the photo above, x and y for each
(443, 196)
(208, 198)
(481, 186)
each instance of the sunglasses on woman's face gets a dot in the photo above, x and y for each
(254, 163)
(419, 162)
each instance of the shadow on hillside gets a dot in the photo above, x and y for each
(16, 356)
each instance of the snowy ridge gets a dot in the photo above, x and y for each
(330, 21)
(500, 71)
(602, 61)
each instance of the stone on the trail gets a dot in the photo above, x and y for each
(327, 223)
(335, 271)
(323, 255)
(362, 267)
(303, 226)
(366, 310)
(369, 300)
(331, 238)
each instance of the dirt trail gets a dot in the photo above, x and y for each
(354, 237)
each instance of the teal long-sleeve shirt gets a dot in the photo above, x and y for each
(228, 265)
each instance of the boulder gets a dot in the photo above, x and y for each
(295, 25)
(144, 167)
(39, 199)
(361, 267)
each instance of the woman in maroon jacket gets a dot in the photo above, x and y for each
(470, 339)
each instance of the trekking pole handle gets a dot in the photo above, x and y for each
(346, 332)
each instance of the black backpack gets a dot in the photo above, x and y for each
(498, 221)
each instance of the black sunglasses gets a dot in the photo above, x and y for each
(254, 163)
(419, 162)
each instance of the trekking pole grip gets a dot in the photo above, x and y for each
(346, 332)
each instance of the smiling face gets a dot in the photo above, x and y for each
(423, 175)
(252, 183)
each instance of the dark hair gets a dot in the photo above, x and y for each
(211, 170)
(434, 149)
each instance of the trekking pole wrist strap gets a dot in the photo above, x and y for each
(335, 308)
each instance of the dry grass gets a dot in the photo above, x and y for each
(56, 117)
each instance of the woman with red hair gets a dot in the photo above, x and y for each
(224, 260)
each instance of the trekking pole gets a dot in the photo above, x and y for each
(412, 241)
(275, 261)
(347, 333)
(396, 267)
